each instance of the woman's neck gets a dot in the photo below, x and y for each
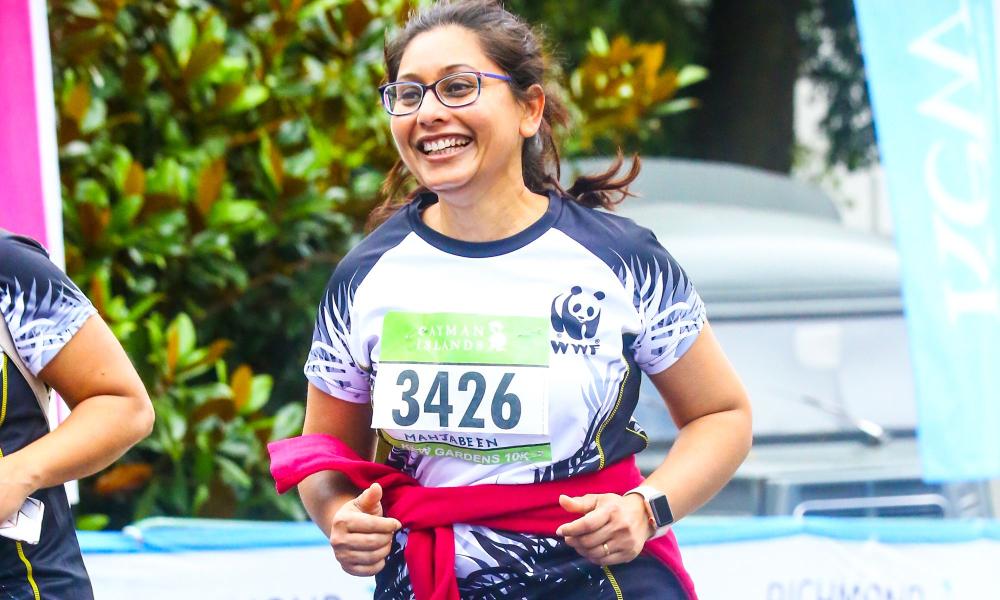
(487, 217)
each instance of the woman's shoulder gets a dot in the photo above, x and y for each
(359, 260)
(17, 247)
(606, 233)
(38, 301)
(24, 259)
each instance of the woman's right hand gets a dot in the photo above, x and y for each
(361, 537)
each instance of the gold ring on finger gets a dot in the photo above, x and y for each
(607, 551)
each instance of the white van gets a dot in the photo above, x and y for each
(810, 314)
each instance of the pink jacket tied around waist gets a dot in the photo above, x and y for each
(429, 513)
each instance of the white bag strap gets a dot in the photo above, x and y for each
(36, 385)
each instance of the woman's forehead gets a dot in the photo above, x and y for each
(441, 50)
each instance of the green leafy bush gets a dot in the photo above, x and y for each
(217, 159)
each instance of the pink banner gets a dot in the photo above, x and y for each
(29, 201)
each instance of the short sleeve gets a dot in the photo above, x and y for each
(671, 312)
(43, 308)
(331, 365)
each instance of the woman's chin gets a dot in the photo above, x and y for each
(446, 185)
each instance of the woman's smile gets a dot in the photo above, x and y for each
(439, 149)
(443, 145)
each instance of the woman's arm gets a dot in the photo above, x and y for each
(712, 411)
(324, 493)
(351, 518)
(110, 412)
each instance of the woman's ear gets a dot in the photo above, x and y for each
(534, 107)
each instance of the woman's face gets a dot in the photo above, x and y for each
(482, 141)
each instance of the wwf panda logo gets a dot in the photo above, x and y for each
(577, 313)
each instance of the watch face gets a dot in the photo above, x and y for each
(661, 511)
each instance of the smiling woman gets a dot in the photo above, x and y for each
(492, 331)
(479, 38)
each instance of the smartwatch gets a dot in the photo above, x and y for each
(657, 508)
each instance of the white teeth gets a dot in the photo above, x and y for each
(441, 144)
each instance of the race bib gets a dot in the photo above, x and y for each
(464, 374)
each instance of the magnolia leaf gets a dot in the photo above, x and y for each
(140, 308)
(316, 7)
(214, 28)
(235, 212)
(135, 180)
(203, 58)
(173, 428)
(227, 94)
(271, 161)
(241, 382)
(676, 106)
(84, 8)
(77, 101)
(123, 478)
(598, 42)
(117, 310)
(124, 212)
(220, 408)
(356, 17)
(228, 70)
(182, 329)
(690, 75)
(182, 33)
(98, 291)
(260, 393)
(287, 421)
(324, 150)
(91, 192)
(216, 350)
(95, 117)
(232, 473)
(166, 178)
(201, 495)
(237, 449)
(209, 185)
(202, 394)
(250, 96)
(93, 222)
(92, 522)
(173, 353)
(576, 83)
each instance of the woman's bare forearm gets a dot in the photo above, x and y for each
(98, 432)
(323, 494)
(703, 458)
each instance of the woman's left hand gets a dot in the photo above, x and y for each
(612, 530)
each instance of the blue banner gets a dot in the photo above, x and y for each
(932, 72)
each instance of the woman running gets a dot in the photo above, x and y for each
(51, 337)
(484, 348)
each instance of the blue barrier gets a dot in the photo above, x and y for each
(186, 535)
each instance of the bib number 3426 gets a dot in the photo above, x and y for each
(458, 398)
(438, 401)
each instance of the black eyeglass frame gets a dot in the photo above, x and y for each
(382, 89)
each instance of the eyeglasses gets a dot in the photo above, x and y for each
(454, 90)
